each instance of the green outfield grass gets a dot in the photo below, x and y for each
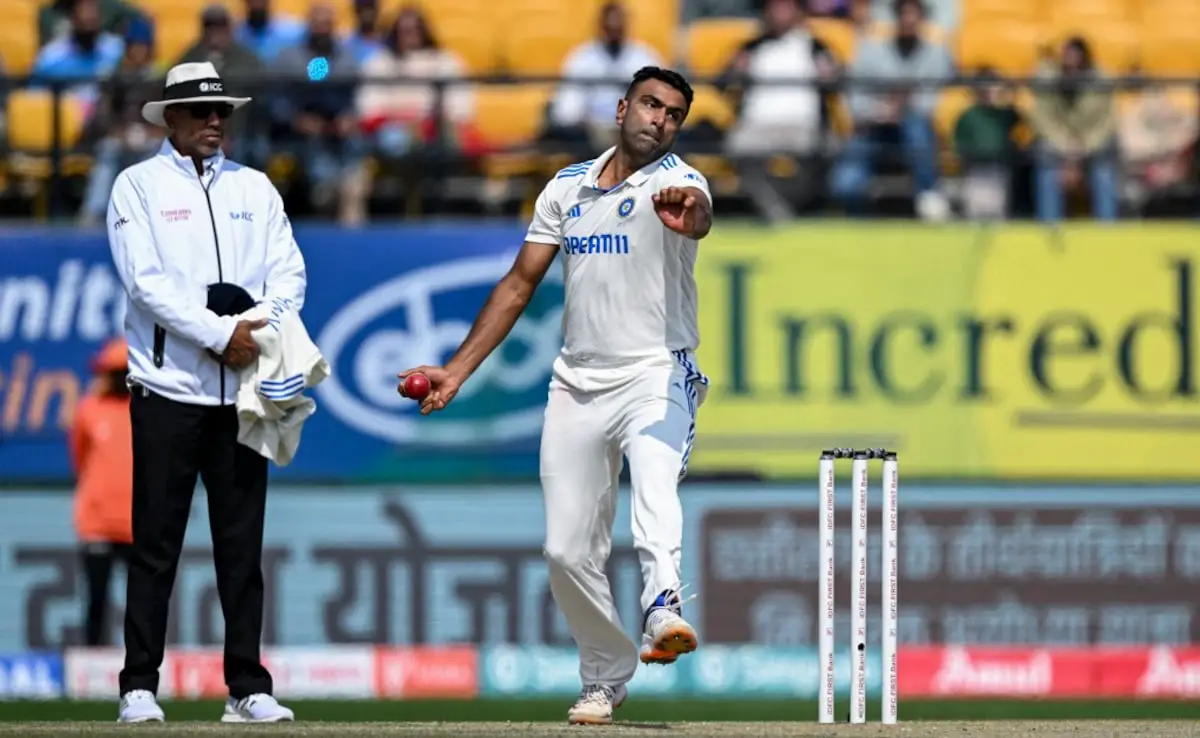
(636, 710)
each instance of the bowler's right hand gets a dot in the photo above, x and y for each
(242, 350)
(443, 386)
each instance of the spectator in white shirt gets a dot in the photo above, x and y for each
(596, 75)
(775, 116)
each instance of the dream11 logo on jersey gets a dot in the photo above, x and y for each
(421, 317)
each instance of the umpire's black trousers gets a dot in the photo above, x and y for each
(173, 443)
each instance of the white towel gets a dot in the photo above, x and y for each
(271, 403)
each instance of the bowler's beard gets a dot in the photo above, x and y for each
(639, 150)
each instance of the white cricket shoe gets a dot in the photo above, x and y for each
(139, 706)
(665, 634)
(596, 704)
(257, 708)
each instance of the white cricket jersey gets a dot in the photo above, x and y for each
(629, 280)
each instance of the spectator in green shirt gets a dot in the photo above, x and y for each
(986, 148)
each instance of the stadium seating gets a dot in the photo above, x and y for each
(537, 35)
(469, 28)
(976, 11)
(510, 115)
(656, 24)
(31, 115)
(1171, 48)
(710, 106)
(1009, 47)
(18, 37)
(711, 43)
(838, 35)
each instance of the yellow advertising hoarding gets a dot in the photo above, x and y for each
(1017, 352)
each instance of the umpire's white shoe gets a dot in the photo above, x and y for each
(139, 706)
(596, 704)
(257, 708)
(665, 634)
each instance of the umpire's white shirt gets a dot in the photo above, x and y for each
(172, 233)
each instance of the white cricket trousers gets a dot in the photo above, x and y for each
(649, 420)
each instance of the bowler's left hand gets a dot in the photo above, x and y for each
(676, 208)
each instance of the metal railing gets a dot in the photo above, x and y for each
(63, 159)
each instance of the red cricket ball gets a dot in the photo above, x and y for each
(415, 387)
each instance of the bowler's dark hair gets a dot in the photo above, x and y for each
(671, 77)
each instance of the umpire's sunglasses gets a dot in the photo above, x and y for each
(204, 110)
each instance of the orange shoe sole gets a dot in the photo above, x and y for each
(670, 646)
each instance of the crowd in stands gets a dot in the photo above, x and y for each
(798, 101)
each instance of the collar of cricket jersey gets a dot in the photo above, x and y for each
(635, 180)
(212, 164)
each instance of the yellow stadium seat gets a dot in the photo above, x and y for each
(18, 49)
(656, 24)
(838, 35)
(297, 9)
(469, 28)
(1086, 10)
(1020, 10)
(1166, 10)
(952, 103)
(30, 121)
(173, 39)
(711, 43)
(1009, 47)
(510, 115)
(19, 37)
(536, 39)
(711, 106)
(1170, 49)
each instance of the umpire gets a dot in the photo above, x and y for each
(196, 239)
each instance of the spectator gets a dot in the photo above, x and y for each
(122, 136)
(693, 9)
(86, 53)
(54, 19)
(1157, 140)
(365, 40)
(900, 114)
(986, 147)
(1075, 122)
(773, 117)
(266, 34)
(596, 74)
(399, 110)
(101, 452)
(317, 120)
(860, 16)
(237, 64)
(828, 8)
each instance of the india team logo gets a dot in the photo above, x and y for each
(625, 208)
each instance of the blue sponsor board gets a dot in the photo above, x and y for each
(379, 300)
(712, 671)
(31, 676)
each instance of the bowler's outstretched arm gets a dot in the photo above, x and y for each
(504, 305)
(494, 322)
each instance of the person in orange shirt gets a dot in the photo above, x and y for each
(101, 445)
